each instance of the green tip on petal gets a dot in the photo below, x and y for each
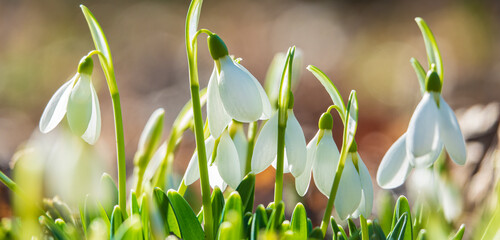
(216, 46)
(432, 81)
(326, 121)
(86, 65)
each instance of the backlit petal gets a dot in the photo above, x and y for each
(241, 144)
(79, 110)
(423, 132)
(395, 165)
(215, 179)
(348, 195)
(192, 172)
(56, 108)
(302, 181)
(216, 115)
(94, 128)
(295, 143)
(265, 148)
(227, 161)
(450, 133)
(325, 163)
(239, 94)
(366, 204)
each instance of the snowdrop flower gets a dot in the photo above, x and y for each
(233, 92)
(226, 161)
(355, 192)
(77, 99)
(433, 127)
(267, 144)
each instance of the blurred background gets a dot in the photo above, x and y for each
(361, 45)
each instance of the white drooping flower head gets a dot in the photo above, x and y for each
(226, 161)
(433, 127)
(233, 92)
(77, 99)
(267, 145)
(355, 193)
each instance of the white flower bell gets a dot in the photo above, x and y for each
(267, 144)
(227, 166)
(233, 92)
(355, 192)
(77, 99)
(432, 127)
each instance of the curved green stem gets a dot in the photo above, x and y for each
(335, 187)
(252, 132)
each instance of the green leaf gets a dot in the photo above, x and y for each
(116, 221)
(422, 235)
(131, 229)
(375, 231)
(316, 234)
(169, 221)
(433, 54)
(352, 121)
(103, 215)
(330, 88)
(385, 210)
(108, 193)
(259, 221)
(145, 217)
(335, 226)
(192, 19)
(403, 207)
(398, 232)
(247, 224)
(217, 207)
(246, 189)
(460, 233)
(299, 221)
(134, 204)
(419, 70)
(189, 226)
(233, 203)
(101, 44)
(276, 217)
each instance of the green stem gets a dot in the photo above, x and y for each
(120, 145)
(200, 137)
(278, 188)
(140, 179)
(252, 132)
(335, 187)
(364, 228)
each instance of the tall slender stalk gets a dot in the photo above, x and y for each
(191, 49)
(278, 187)
(364, 228)
(252, 132)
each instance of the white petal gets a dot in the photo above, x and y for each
(215, 179)
(240, 95)
(267, 109)
(348, 195)
(295, 143)
(302, 181)
(79, 110)
(192, 172)
(366, 204)
(423, 133)
(325, 163)
(428, 159)
(155, 162)
(56, 108)
(241, 144)
(227, 161)
(450, 199)
(266, 146)
(94, 128)
(450, 133)
(395, 165)
(216, 115)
